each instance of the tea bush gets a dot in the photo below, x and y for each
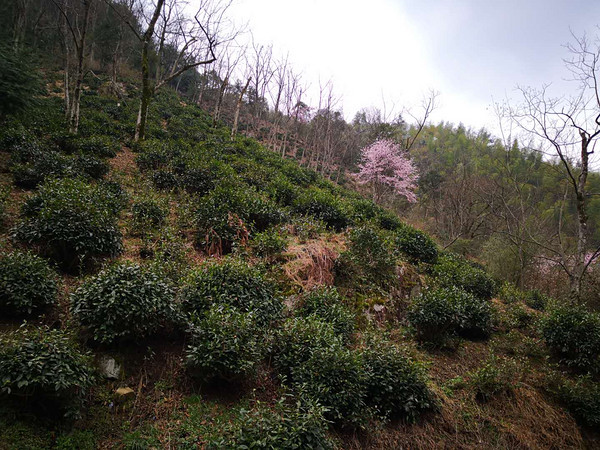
(226, 344)
(335, 377)
(415, 244)
(98, 145)
(536, 300)
(322, 205)
(91, 167)
(582, 399)
(452, 270)
(437, 313)
(282, 190)
(297, 339)
(288, 426)
(124, 302)
(231, 282)
(387, 220)
(72, 221)
(42, 167)
(165, 180)
(115, 196)
(509, 293)
(229, 211)
(43, 363)
(27, 284)
(268, 243)
(368, 260)
(396, 385)
(147, 214)
(326, 304)
(572, 333)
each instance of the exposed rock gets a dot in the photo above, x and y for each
(123, 394)
(109, 367)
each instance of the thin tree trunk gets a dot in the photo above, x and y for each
(74, 119)
(217, 113)
(238, 106)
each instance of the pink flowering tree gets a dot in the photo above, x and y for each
(387, 168)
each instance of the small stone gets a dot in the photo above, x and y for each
(124, 393)
(110, 368)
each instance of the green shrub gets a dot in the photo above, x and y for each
(297, 339)
(433, 314)
(495, 376)
(415, 244)
(307, 227)
(287, 426)
(509, 293)
(226, 344)
(368, 260)
(582, 399)
(322, 205)
(91, 166)
(283, 191)
(437, 313)
(474, 316)
(326, 304)
(99, 146)
(536, 300)
(4, 195)
(44, 166)
(123, 302)
(519, 317)
(43, 363)
(21, 143)
(163, 179)
(388, 221)
(114, 195)
(362, 210)
(226, 214)
(231, 282)
(452, 270)
(396, 385)
(573, 334)
(153, 159)
(170, 255)
(27, 284)
(268, 243)
(199, 180)
(336, 378)
(77, 439)
(72, 221)
(21, 83)
(147, 214)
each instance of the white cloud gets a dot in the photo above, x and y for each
(469, 50)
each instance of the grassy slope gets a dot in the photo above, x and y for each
(171, 411)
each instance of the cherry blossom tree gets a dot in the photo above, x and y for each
(388, 169)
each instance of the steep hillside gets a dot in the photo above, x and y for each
(195, 290)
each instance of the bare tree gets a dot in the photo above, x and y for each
(238, 106)
(567, 128)
(76, 22)
(194, 38)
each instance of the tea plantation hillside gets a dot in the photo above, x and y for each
(198, 291)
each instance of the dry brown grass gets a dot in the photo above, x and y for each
(311, 263)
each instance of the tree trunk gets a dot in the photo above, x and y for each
(220, 100)
(582, 218)
(74, 119)
(238, 106)
(147, 87)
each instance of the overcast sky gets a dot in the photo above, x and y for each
(471, 51)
